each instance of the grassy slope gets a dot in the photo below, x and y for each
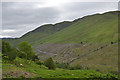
(104, 60)
(95, 28)
(40, 32)
(102, 57)
(92, 29)
(33, 70)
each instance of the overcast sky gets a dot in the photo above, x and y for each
(19, 18)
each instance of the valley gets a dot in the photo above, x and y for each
(90, 42)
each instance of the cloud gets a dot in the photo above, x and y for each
(20, 17)
(8, 30)
(24, 16)
(61, 1)
(80, 9)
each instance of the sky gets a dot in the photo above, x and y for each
(21, 17)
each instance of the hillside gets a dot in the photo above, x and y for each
(90, 41)
(32, 71)
(40, 32)
(94, 28)
(96, 56)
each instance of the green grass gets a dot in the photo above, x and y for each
(105, 59)
(43, 72)
(91, 55)
(98, 28)
(40, 32)
(92, 29)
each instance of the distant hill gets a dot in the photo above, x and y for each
(93, 28)
(41, 32)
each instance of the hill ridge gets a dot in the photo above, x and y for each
(85, 27)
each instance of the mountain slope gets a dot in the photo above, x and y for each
(41, 32)
(96, 28)
(89, 41)
(93, 28)
(97, 56)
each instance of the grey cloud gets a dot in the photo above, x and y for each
(13, 17)
(23, 16)
(29, 16)
(80, 9)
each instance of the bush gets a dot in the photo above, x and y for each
(5, 58)
(62, 65)
(17, 63)
(21, 54)
(112, 42)
(26, 49)
(35, 57)
(5, 47)
(114, 72)
(98, 70)
(50, 64)
(75, 67)
(12, 54)
(8, 52)
(38, 62)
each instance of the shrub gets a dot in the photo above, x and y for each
(97, 70)
(12, 54)
(5, 47)
(21, 54)
(87, 68)
(62, 65)
(112, 42)
(26, 49)
(114, 72)
(35, 57)
(5, 58)
(38, 62)
(17, 63)
(75, 67)
(8, 52)
(50, 64)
